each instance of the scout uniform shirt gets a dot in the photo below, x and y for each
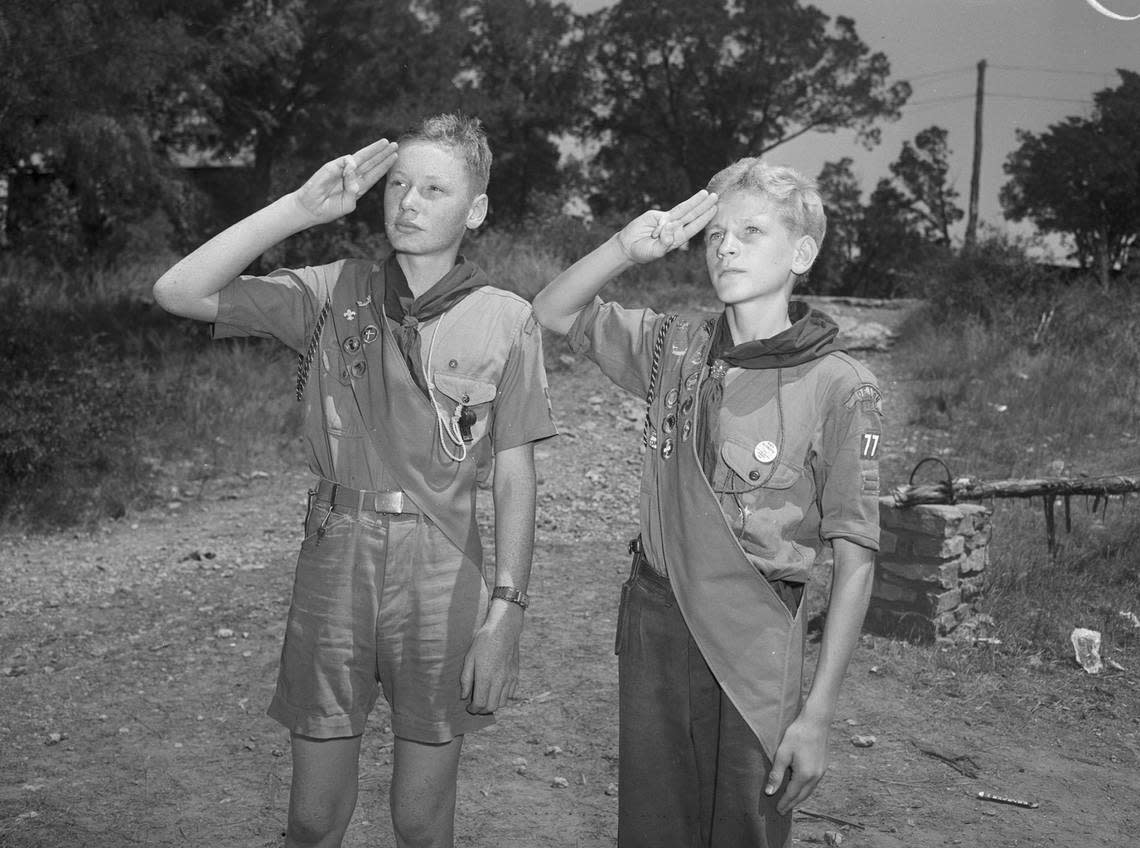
(367, 424)
(792, 463)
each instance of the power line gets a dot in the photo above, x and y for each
(1041, 70)
(942, 73)
(946, 99)
(1084, 102)
(952, 98)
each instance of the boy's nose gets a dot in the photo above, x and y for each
(408, 201)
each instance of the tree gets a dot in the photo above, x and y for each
(80, 85)
(523, 76)
(306, 78)
(874, 249)
(892, 244)
(842, 200)
(1081, 178)
(303, 79)
(927, 196)
(683, 87)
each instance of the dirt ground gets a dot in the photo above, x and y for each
(136, 663)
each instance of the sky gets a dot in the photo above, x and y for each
(1045, 59)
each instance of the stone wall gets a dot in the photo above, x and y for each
(930, 569)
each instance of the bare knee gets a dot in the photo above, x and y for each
(423, 793)
(322, 824)
(430, 823)
(324, 791)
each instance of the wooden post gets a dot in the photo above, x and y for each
(976, 171)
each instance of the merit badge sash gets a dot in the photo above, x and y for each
(746, 634)
(404, 432)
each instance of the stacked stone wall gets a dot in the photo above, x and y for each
(929, 571)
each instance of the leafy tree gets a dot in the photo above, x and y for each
(927, 197)
(842, 199)
(892, 244)
(875, 249)
(1081, 178)
(285, 78)
(683, 87)
(296, 81)
(81, 80)
(523, 76)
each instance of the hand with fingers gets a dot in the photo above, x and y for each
(490, 673)
(801, 758)
(332, 192)
(653, 234)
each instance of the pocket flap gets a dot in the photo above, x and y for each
(464, 390)
(741, 458)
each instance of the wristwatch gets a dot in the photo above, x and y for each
(511, 595)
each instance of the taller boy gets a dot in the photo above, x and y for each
(761, 442)
(415, 374)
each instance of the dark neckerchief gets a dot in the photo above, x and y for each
(811, 336)
(407, 312)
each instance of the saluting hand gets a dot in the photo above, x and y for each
(653, 234)
(333, 190)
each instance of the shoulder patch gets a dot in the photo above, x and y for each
(866, 396)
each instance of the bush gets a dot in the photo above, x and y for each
(108, 396)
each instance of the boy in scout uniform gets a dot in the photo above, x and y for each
(761, 444)
(415, 373)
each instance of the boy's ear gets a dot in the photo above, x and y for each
(477, 213)
(807, 249)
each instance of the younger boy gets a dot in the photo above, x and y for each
(760, 434)
(415, 373)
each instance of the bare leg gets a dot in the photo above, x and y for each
(323, 794)
(423, 793)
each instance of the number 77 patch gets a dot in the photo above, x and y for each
(869, 446)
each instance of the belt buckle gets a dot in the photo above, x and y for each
(389, 502)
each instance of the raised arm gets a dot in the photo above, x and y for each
(647, 237)
(190, 288)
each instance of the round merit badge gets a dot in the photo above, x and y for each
(764, 451)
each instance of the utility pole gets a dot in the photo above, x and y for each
(975, 174)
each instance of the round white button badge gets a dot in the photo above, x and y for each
(764, 451)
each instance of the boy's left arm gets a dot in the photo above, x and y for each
(491, 669)
(803, 748)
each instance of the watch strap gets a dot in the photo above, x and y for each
(511, 595)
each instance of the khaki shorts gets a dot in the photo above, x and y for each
(379, 602)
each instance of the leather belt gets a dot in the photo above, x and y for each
(355, 500)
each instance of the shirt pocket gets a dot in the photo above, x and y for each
(468, 402)
(748, 473)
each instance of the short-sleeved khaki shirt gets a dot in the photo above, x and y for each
(797, 447)
(485, 354)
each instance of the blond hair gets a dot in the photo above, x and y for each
(462, 134)
(798, 199)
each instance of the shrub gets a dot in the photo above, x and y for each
(108, 396)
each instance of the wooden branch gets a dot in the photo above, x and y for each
(967, 489)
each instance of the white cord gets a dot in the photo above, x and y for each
(448, 428)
